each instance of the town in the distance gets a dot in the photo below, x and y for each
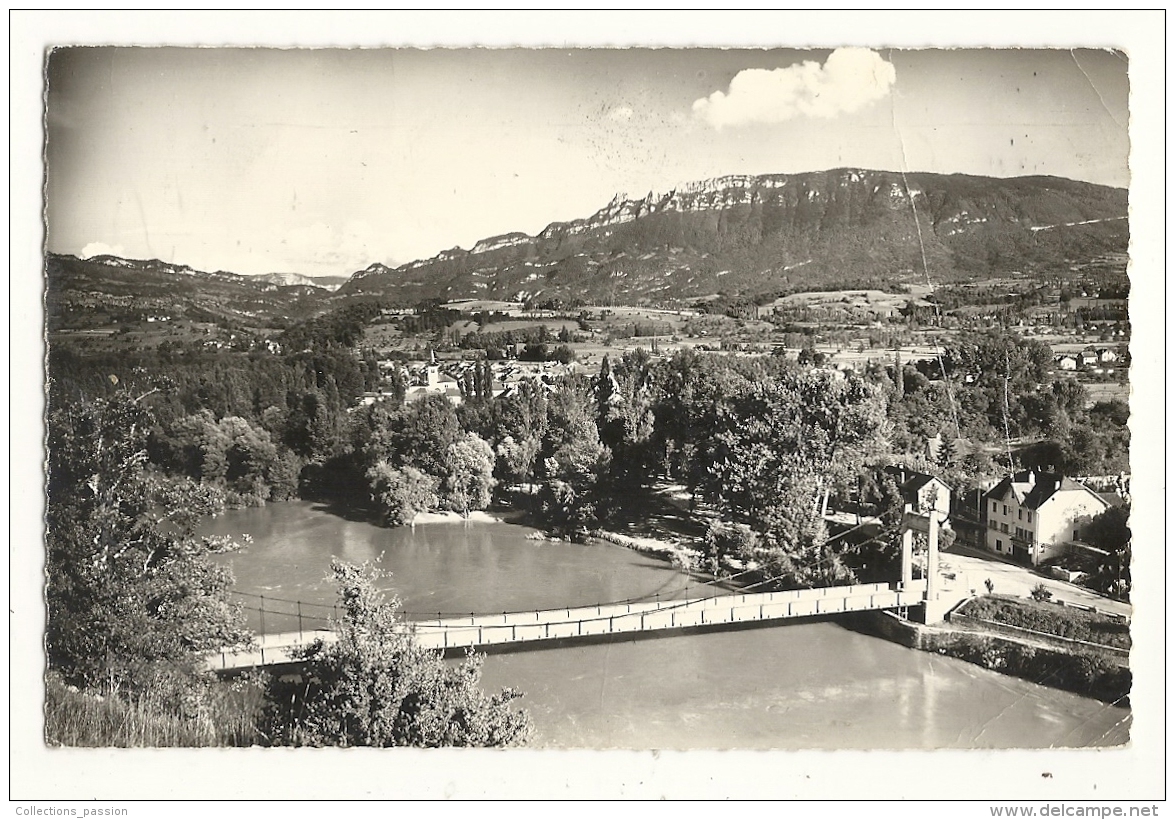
(899, 400)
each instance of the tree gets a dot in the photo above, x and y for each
(376, 686)
(1109, 530)
(534, 352)
(946, 453)
(792, 426)
(793, 548)
(574, 459)
(626, 421)
(694, 395)
(401, 493)
(470, 479)
(516, 458)
(418, 435)
(778, 451)
(231, 453)
(310, 429)
(131, 591)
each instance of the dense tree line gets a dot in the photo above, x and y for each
(997, 388)
(342, 327)
(502, 340)
(265, 427)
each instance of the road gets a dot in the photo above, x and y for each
(972, 567)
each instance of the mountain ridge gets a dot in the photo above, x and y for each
(738, 235)
(745, 233)
(85, 291)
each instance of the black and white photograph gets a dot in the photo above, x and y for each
(610, 399)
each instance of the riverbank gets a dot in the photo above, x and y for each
(1084, 673)
(676, 554)
(474, 517)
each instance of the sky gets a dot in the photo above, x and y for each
(323, 161)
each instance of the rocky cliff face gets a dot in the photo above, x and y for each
(755, 234)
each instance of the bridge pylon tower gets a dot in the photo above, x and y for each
(934, 607)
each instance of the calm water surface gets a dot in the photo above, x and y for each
(811, 685)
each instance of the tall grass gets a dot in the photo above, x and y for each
(212, 714)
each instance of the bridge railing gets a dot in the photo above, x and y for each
(602, 619)
(272, 614)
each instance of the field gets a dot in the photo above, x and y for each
(141, 335)
(1106, 391)
(477, 305)
(381, 336)
(553, 325)
(872, 299)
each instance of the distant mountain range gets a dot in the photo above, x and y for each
(739, 235)
(779, 232)
(108, 289)
(325, 282)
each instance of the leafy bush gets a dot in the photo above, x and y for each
(378, 687)
(723, 539)
(1041, 593)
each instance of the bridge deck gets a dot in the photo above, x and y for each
(607, 619)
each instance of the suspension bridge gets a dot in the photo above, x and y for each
(456, 634)
(534, 628)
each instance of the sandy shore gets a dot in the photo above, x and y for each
(477, 517)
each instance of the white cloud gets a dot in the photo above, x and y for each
(620, 114)
(102, 249)
(849, 79)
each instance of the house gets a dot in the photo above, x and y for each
(436, 384)
(373, 397)
(1067, 362)
(1033, 516)
(1088, 357)
(1104, 355)
(925, 492)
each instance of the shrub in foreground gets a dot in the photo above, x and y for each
(376, 686)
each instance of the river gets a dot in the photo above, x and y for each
(808, 685)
